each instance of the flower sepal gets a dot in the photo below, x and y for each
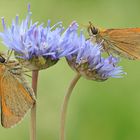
(36, 62)
(85, 71)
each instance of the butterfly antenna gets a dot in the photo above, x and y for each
(90, 28)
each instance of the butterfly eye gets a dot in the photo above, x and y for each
(94, 31)
(2, 60)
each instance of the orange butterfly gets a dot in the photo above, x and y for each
(124, 42)
(16, 96)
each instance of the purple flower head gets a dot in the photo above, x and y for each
(33, 42)
(87, 60)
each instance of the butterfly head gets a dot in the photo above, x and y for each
(92, 30)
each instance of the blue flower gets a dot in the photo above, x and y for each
(33, 42)
(88, 61)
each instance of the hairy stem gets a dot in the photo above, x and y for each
(65, 105)
(33, 110)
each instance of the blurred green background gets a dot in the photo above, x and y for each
(108, 110)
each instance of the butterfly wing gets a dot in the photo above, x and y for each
(16, 99)
(125, 42)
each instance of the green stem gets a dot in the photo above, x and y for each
(65, 105)
(33, 110)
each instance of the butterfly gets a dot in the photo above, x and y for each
(124, 42)
(16, 96)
